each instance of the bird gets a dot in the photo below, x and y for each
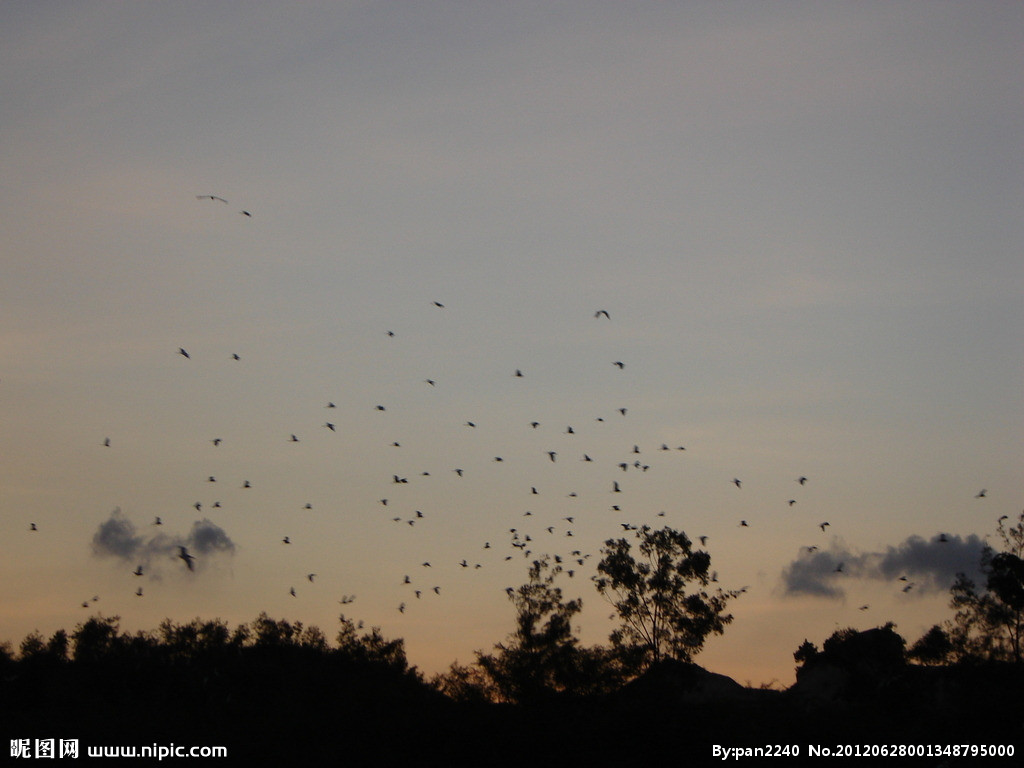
(736, 482)
(293, 439)
(743, 524)
(138, 592)
(518, 374)
(615, 487)
(802, 480)
(330, 426)
(839, 568)
(106, 442)
(216, 441)
(211, 197)
(552, 454)
(619, 364)
(32, 527)
(981, 494)
(184, 555)
(292, 592)
(703, 540)
(791, 502)
(602, 312)
(158, 521)
(311, 576)
(183, 353)
(246, 213)
(401, 607)
(330, 405)
(235, 356)
(286, 540)
(823, 526)
(439, 304)
(137, 571)
(864, 607)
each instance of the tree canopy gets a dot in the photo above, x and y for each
(659, 617)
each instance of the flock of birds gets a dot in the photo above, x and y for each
(531, 536)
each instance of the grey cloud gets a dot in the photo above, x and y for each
(931, 566)
(118, 537)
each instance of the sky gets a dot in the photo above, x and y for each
(802, 219)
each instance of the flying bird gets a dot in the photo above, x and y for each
(981, 494)
(619, 364)
(184, 555)
(211, 197)
(802, 480)
(183, 353)
(736, 482)
(602, 312)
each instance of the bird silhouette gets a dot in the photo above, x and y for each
(211, 197)
(981, 494)
(184, 555)
(138, 592)
(137, 571)
(619, 364)
(183, 353)
(737, 482)
(602, 312)
(823, 526)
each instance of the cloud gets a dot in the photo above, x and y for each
(118, 537)
(930, 566)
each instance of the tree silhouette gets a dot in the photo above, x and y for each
(659, 617)
(990, 624)
(539, 656)
(934, 647)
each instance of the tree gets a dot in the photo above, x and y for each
(934, 647)
(659, 617)
(990, 624)
(542, 656)
(370, 647)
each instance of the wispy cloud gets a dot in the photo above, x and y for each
(118, 537)
(930, 566)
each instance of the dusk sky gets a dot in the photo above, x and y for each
(803, 219)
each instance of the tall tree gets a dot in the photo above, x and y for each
(989, 624)
(540, 656)
(660, 618)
